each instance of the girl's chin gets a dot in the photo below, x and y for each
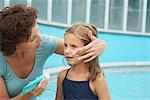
(71, 64)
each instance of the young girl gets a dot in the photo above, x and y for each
(82, 81)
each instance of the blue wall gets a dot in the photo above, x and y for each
(120, 47)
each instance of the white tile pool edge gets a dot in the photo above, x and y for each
(108, 67)
(125, 64)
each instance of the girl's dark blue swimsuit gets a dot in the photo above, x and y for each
(77, 90)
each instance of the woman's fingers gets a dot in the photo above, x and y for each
(90, 59)
(96, 48)
(83, 49)
(92, 50)
(40, 88)
(38, 92)
(92, 45)
(91, 36)
(44, 83)
(88, 55)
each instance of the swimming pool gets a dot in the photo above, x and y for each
(122, 84)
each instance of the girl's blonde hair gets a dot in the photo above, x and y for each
(81, 31)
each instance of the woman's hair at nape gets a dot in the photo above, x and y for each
(81, 31)
(16, 24)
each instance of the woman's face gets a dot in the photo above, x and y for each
(72, 43)
(33, 42)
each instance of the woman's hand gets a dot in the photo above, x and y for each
(92, 50)
(40, 88)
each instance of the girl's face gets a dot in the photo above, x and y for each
(72, 43)
(33, 42)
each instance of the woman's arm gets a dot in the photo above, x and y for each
(19, 97)
(3, 90)
(4, 94)
(101, 88)
(36, 91)
(60, 46)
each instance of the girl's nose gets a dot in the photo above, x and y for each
(67, 50)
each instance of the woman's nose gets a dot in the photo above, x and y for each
(39, 38)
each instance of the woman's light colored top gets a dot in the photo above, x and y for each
(15, 84)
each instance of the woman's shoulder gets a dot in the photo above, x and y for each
(1, 55)
(3, 65)
(46, 37)
(48, 45)
(2, 59)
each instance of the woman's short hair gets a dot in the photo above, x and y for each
(15, 26)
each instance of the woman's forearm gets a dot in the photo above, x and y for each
(19, 97)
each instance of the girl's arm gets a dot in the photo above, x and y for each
(101, 88)
(4, 94)
(59, 93)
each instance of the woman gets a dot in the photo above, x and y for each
(24, 52)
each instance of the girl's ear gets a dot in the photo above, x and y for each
(91, 36)
(95, 30)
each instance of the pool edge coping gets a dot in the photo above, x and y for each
(106, 66)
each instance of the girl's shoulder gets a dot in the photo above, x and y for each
(99, 79)
(100, 84)
(101, 88)
(62, 74)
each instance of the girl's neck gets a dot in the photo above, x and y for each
(80, 68)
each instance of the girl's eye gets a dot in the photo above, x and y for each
(65, 45)
(73, 46)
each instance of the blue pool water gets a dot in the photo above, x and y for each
(133, 85)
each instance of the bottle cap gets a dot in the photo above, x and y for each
(46, 75)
